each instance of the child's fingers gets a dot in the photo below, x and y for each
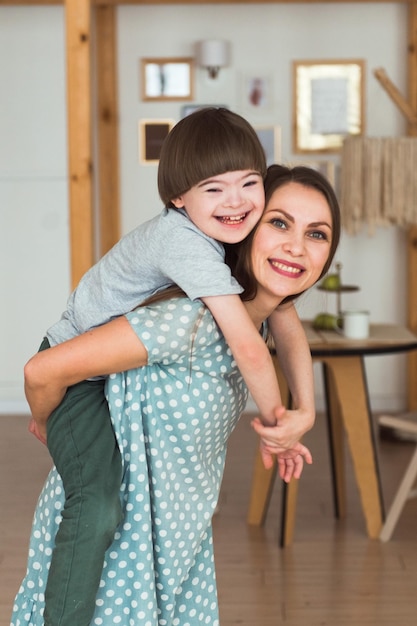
(33, 428)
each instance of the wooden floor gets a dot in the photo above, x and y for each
(331, 576)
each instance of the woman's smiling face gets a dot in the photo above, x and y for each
(292, 242)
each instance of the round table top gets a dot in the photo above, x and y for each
(383, 339)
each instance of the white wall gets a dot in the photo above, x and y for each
(34, 247)
(265, 39)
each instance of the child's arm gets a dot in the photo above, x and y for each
(250, 353)
(293, 353)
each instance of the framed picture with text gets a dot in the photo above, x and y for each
(328, 103)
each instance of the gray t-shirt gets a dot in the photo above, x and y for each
(168, 249)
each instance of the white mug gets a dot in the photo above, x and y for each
(355, 324)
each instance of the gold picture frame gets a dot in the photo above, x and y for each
(152, 134)
(328, 103)
(167, 79)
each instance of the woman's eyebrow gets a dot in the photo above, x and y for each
(290, 218)
(323, 223)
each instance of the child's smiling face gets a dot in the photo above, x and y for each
(227, 206)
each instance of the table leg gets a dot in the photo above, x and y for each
(262, 485)
(336, 442)
(289, 509)
(349, 382)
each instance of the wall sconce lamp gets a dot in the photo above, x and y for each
(212, 54)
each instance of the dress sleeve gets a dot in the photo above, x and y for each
(168, 329)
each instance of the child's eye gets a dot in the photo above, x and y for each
(250, 183)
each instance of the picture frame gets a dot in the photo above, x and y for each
(324, 166)
(187, 109)
(270, 138)
(167, 79)
(151, 137)
(328, 103)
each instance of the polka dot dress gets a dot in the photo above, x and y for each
(172, 421)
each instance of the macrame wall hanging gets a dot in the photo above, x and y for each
(378, 185)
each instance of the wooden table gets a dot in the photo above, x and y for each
(348, 412)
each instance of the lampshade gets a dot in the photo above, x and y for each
(213, 54)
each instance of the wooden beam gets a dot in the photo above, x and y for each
(29, 3)
(412, 233)
(156, 2)
(78, 43)
(412, 63)
(132, 2)
(396, 96)
(108, 128)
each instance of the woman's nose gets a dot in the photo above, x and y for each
(295, 244)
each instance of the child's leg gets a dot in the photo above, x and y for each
(82, 444)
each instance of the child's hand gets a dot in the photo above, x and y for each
(290, 427)
(35, 429)
(290, 462)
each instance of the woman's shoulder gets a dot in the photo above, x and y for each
(174, 303)
(177, 311)
(174, 327)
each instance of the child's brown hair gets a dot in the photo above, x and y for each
(206, 143)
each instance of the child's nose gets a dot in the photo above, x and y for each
(234, 198)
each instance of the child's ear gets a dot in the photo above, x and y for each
(178, 202)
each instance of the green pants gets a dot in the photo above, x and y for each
(83, 447)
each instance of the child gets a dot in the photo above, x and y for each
(210, 179)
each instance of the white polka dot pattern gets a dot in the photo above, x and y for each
(172, 420)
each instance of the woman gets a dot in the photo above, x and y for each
(173, 409)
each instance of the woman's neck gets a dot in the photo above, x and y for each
(260, 309)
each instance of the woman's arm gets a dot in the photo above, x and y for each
(113, 347)
(293, 353)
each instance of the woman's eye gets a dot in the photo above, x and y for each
(278, 223)
(250, 183)
(319, 234)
